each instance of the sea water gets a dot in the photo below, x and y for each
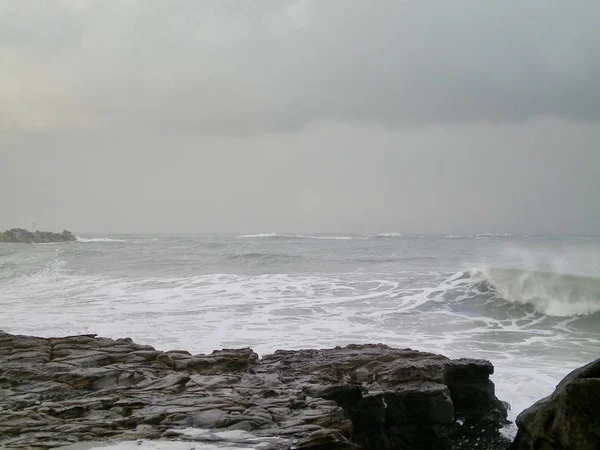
(529, 304)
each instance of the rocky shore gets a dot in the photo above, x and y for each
(59, 391)
(21, 236)
(567, 419)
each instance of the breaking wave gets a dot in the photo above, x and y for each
(99, 239)
(293, 236)
(387, 235)
(324, 236)
(549, 293)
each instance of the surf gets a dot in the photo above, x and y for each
(386, 235)
(550, 293)
(293, 237)
(97, 239)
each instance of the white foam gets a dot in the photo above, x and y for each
(335, 238)
(293, 236)
(271, 311)
(551, 293)
(229, 309)
(98, 239)
(524, 384)
(387, 235)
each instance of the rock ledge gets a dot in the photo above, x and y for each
(59, 391)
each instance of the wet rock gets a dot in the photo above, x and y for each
(83, 388)
(567, 419)
(324, 439)
(226, 360)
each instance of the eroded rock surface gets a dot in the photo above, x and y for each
(58, 391)
(567, 419)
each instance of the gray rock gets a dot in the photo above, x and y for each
(568, 419)
(85, 388)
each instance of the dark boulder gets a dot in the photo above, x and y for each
(567, 419)
(401, 398)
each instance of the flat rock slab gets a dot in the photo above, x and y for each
(68, 391)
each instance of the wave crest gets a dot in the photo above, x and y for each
(99, 239)
(292, 236)
(549, 293)
(387, 235)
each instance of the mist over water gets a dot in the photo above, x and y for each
(529, 304)
(320, 116)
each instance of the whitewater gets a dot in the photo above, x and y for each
(529, 304)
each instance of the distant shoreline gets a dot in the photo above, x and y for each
(22, 236)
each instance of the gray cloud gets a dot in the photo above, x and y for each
(300, 116)
(536, 177)
(237, 68)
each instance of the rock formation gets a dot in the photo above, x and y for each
(567, 419)
(19, 235)
(58, 391)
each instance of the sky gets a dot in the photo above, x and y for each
(300, 116)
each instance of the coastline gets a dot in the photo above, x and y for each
(64, 391)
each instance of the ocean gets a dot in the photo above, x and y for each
(529, 304)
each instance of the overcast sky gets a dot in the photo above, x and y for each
(302, 115)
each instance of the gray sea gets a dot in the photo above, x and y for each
(529, 304)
